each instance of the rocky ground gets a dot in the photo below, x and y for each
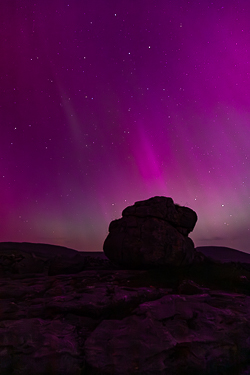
(69, 313)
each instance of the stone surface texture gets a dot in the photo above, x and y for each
(98, 319)
(150, 233)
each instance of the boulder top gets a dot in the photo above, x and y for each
(163, 208)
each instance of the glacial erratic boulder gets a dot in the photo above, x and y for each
(150, 233)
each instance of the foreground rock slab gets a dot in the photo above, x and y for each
(103, 320)
(163, 335)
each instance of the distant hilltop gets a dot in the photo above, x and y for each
(39, 249)
(221, 253)
(224, 254)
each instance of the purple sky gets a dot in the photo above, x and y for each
(104, 103)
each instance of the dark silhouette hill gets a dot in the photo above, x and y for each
(42, 249)
(221, 253)
(224, 254)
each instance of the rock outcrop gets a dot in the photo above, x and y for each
(150, 233)
(103, 320)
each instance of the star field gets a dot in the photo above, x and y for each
(106, 103)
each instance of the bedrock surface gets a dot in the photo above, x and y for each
(105, 320)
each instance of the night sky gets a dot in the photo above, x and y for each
(104, 103)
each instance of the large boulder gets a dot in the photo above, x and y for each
(153, 232)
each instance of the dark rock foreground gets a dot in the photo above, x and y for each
(77, 314)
